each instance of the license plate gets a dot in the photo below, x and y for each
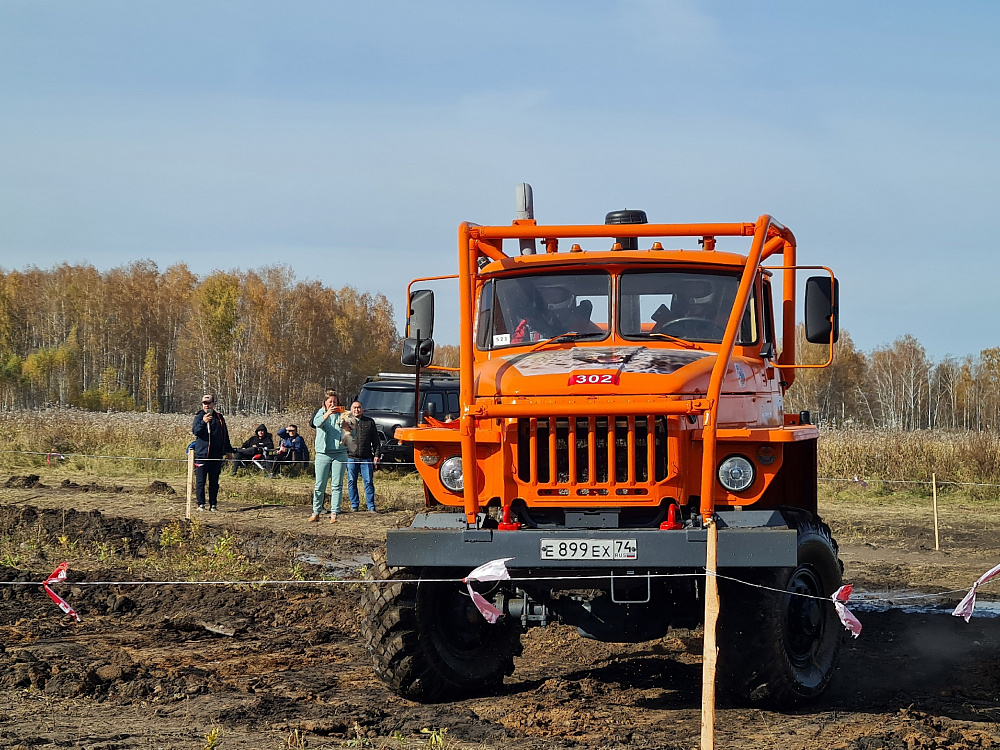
(589, 549)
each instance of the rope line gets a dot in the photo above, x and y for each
(861, 598)
(57, 455)
(858, 480)
(335, 581)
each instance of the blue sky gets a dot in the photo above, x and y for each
(348, 140)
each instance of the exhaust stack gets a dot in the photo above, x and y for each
(525, 210)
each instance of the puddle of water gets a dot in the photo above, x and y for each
(916, 603)
(342, 567)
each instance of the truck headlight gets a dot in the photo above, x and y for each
(736, 473)
(451, 474)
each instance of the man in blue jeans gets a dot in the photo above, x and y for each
(363, 458)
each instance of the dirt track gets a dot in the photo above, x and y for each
(274, 667)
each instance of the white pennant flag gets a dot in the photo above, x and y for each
(494, 570)
(968, 604)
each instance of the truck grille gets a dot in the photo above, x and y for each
(592, 455)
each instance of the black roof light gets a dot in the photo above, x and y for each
(627, 216)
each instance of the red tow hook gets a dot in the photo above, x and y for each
(673, 521)
(506, 524)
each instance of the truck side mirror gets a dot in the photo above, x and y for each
(822, 309)
(411, 355)
(420, 316)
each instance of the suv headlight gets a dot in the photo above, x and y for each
(736, 473)
(451, 474)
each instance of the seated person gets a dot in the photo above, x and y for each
(577, 318)
(554, 311)
(688, 318)
(291, 450)
(261, 443)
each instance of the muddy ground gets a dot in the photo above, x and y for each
(280, 666)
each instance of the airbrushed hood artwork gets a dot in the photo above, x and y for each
(632, 359)
(635, 370)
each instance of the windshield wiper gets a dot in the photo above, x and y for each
(683, 342)
(564, 337)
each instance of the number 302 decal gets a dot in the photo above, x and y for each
(607, 378)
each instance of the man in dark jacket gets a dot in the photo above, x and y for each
(363, 458)
(292, 450)
(211, 445)
(259, 444)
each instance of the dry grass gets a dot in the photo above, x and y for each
(889, 460)
(123, 442)
(876, 456)
(80, 435)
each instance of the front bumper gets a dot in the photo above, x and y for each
(740, 546)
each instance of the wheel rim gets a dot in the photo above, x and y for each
(804, 617)
(461, 630)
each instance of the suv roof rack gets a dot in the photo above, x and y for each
(425, 375)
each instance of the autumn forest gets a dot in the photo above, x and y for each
(138, 338)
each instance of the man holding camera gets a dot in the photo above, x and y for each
(211, 445)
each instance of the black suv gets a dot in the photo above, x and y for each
(389, 399)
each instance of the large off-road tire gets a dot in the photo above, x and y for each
(428, 641)
(777, 650)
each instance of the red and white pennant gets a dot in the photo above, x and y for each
(58, 576)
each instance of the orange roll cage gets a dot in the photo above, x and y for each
(769, 238)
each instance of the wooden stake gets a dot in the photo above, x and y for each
(710, 651)
(190, 481)
(937, 541)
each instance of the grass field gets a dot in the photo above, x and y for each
(145, 447)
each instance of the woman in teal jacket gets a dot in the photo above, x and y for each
(331, 455)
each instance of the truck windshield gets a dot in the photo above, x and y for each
(391, 400)
(518, 310)
(684, 304)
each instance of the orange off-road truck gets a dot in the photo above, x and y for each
(621, 384)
